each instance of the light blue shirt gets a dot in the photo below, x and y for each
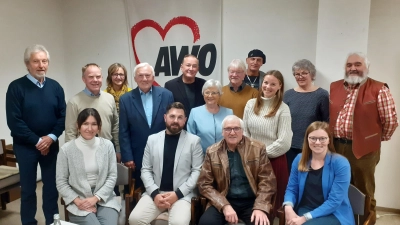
(86, 91)
(206, 125)
(40, 85)
(147, 101)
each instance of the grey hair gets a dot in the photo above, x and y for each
(34, 49)
(237, 64)
(305, 64)
(360, 54)
(141, 65)
(212, 83)
(232, 117)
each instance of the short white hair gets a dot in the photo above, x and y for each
(237, 64)
(360, 54)
(141, 65)
(212, 83)
(34, 49)
(230, 118)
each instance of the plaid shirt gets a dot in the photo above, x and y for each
(386, 109)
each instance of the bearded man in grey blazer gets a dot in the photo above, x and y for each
(171, 166)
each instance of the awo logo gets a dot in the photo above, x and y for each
(168, 60)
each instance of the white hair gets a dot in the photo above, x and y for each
(212, 83)
(230, 118)
(34, 49)
(141, 65)
(237, 64)
(360, 54)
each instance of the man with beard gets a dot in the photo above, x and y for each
(35, 108)
(141, 113)
(362, 114)
(171, 165)
(254, 76)
(187, 88)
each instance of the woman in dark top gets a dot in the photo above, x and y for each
(317, 192)
(307, 103)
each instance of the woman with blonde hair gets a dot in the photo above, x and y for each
(117, 82)
(317, 192)
(267, 119)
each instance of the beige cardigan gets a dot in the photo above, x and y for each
(71, 179)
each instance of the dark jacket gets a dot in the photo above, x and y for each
(176, 86)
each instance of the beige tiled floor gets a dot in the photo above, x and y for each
(11, 215)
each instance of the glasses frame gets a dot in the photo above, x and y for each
(321, 140)
(230, 129)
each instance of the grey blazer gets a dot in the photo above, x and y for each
(71, 178)
(188, 161)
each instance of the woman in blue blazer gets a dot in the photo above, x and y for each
(317, 192)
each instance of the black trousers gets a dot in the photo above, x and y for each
(290, 156)
(242, 207)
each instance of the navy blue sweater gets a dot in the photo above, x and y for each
(33, 112)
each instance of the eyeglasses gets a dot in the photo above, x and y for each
(230, 129)
(118, 74)
(315, 139)
(213, 93)
(302, 74)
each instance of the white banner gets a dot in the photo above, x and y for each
(163, 32)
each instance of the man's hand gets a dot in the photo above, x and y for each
(230, 214)
(170, 197)
(45, 152)
(44, 143)
(297, 221)
(160, 202)
(259, 217)
(289, 214)
(118, 154)
(130, 164)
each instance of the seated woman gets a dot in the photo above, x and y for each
(86, 173)
(205, 121)
(317, 192)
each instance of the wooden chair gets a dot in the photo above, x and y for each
(201, 203)
(9, 173)
(360, 203)
(124, 178)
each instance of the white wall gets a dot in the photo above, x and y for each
(285, 31)
(384, 54)
(95, 31)
(24, 23)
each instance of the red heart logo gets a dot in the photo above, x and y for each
(183, 20)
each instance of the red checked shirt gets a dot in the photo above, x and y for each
(386, 109)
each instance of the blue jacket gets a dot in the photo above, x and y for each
(335, 187)
(133, 127)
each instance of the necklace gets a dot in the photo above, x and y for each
(252, 84)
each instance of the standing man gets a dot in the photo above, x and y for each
(236, 94)
(362, 114)
(236, 178)
(171, 166)
(35, 108)
(93, 97)
(187, 87)
(141, 114)
(254, 77)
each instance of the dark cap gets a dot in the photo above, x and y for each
(256, 53)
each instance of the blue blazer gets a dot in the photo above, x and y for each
(335, 187)
(133, 127)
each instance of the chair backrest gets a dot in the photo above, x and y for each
(124, 175)
(8, 158)
(357, 200)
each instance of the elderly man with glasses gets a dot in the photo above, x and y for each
(236, 178)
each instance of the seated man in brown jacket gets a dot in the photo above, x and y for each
(236, 178)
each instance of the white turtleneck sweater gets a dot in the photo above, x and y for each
(275, 132)
(89, 149)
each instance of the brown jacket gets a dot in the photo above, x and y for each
(214, 179)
